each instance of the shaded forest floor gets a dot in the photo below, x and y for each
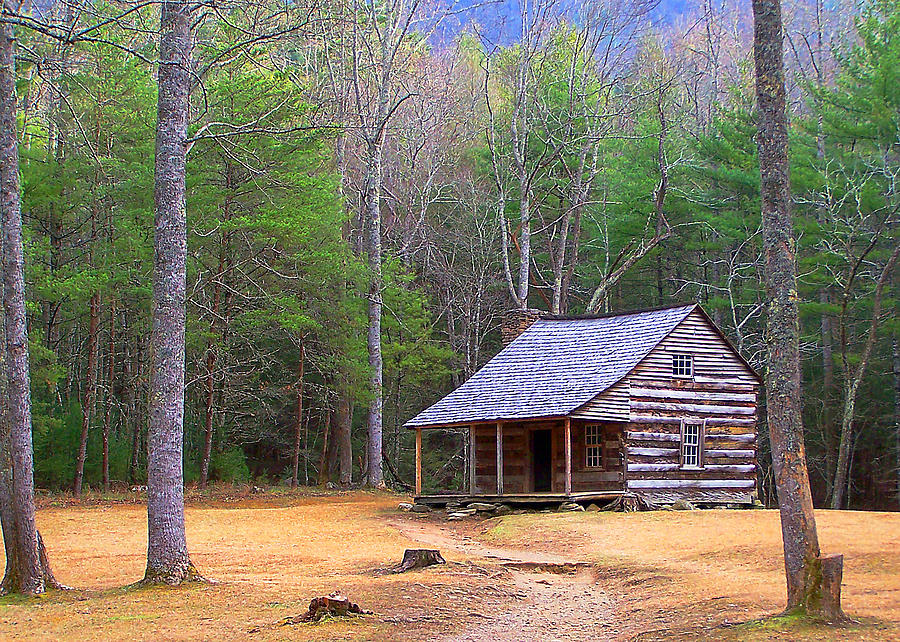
(649, 576)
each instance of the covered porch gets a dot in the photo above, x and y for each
(539, 461)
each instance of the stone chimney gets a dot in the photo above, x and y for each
(515, 322)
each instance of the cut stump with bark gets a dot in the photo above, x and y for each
(334, 605)
(832, 576)
(414, 558)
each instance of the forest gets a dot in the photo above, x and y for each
(369, 187)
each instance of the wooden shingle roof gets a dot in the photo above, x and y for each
(554, 367)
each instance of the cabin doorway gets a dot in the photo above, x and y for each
(542, 460)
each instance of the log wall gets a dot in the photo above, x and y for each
(722, 394)
(610, 476)
(612, 405)
(641, 418)
(714, 360)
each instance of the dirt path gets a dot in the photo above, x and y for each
(557, 598)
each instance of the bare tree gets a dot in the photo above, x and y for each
(639, 248)
(853, 379)
(513, 159)
(813, 582)
(385, 40)
(595, 53)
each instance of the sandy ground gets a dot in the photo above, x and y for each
(689, 574)
(557, 598)
(585, 576)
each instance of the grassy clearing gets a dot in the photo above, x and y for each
(671, 575)
(688, 573)
(267, 555)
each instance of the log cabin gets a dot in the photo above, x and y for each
(653, 402)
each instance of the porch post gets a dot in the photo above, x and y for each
(472, 459)
(499, 458)
(418, 461)
(568, 456)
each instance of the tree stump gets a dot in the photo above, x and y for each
(334, 605)
(832, 575)
(419, 558)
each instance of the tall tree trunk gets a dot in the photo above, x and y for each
(298, 429)
(854, 380)
(827, 387)
(345, 445)
(895, 349)
(803, 564)
(131, 369)
(332, 453)
(824, 298)
(110, 375)
(218, 320)
(573, 262)
(167, 553)
(25, 572)
(90, 390)
(7, 507)
(524, 240)
(375, 476)
(210, 392)
(324, 472)
(135, 448)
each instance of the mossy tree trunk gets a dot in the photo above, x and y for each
(808, 575)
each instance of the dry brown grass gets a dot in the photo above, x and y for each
(684, 573)
(268, 558)
(675, 573)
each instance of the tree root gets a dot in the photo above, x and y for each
(171, 577)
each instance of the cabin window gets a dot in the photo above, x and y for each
(682, 365)
(593, 446)
(691, 445)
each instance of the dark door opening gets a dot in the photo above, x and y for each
(542, 460)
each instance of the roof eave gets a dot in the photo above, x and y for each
(409, 425)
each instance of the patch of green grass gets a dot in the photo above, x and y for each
(17, 599)
(802, 627)
(779, 623)
(504, 528)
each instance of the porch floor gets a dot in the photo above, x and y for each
(519, 498)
